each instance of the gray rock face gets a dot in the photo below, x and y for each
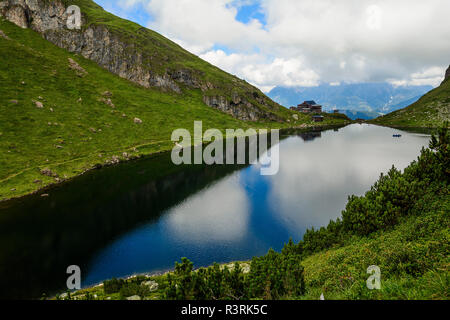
(99, 44)
(447, 73)
(238, 108)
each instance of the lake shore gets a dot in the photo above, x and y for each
(116, 160)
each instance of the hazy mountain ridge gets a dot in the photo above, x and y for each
(431, 111)
(370, 99)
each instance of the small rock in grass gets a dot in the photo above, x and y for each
(77, 68)
(108, 102)
(44, 195)
(137, 121)
(47, 172)
(3, 35)
(38, 104)
(135, 298)
(115, 159)
(152, 285)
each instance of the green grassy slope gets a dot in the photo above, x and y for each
(431, 111)
(413, 259)
(76, 130)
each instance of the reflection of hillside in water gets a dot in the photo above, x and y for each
(310, 136)
(40, 237)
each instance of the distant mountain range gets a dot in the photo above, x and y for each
(357, 100)
(430, 111)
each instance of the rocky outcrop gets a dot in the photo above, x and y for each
(238, 108)
(76, 67)
(125, 58)
(447, 73)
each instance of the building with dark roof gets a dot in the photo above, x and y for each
(317, 118)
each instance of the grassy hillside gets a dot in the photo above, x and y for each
(431, 111)
(56, 116)
(163, 57)
(401, 225)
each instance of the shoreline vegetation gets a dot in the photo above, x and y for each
(400, 225)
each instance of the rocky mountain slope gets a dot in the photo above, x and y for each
(430, 111)
(140, 55)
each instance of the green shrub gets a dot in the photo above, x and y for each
(113, 285)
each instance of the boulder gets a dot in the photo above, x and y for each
(152, 285)
(47, 172)
(137, 121)
(108, 102)
(38, 104)
(135, 298)
(76, 67)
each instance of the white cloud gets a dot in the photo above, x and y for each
(262, 72)
(307, 41)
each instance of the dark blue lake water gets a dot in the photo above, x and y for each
(141, 217)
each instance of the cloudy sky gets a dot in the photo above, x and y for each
(306, 42)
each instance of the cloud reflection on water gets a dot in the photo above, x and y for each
(219, 213)
(315, 178)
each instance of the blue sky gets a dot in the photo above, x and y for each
(251, 11)
(136, 13)
(246, 10)
(306, 42)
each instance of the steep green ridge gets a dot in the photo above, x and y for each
(431, 111)
(87, 117)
